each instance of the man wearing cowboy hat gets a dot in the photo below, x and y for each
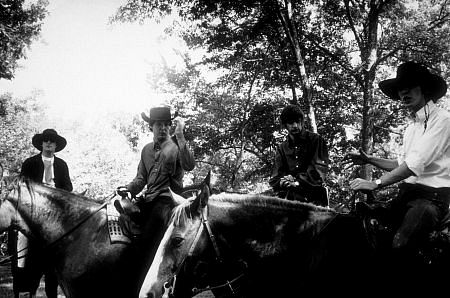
(161, 170)
(163, 161)
(424, 167)
(45, 168)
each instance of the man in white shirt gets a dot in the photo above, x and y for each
(424, 167)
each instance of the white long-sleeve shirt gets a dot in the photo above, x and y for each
(427, 151)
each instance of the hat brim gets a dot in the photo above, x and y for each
(434, 86)
(145, 117)
(149, 120)
(59, 140)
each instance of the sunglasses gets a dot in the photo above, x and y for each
(48, 140)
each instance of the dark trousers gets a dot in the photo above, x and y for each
(154, 216)
(416, 212)
(51, 283)
(317, 195)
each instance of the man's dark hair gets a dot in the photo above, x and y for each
(292, 113)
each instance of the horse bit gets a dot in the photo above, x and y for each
(169, 286)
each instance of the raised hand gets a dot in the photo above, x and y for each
(179, 128)
(356, 158)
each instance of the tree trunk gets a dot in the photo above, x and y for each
(285, 14)
(368, 59)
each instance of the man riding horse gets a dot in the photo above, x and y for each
(424, 167)
(161, 168)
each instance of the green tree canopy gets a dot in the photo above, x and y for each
(19, 120)
(20, 24)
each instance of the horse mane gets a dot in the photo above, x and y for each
(183, 212)
(52, 192)
(260, 200)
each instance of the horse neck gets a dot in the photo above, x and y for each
(264, 231)
(46, 212)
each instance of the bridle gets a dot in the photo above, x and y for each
(231, 285)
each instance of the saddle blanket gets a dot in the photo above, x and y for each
(116, 234)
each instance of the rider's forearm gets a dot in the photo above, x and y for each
(398, 174)
(382, 163)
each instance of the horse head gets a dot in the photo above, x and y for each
(183, 239)
(9, 217)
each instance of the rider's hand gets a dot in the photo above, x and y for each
(361, 184)
(179, 128)
(122, 191)
(356, 158)
(288, 181)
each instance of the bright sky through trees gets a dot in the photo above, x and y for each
(82, 65)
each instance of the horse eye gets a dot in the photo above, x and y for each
(177, 241)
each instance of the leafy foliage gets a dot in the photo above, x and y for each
(19, 26)
(241, 67)
(19, 121)
(347, 47)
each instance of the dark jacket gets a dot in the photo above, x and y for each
(306, 159)
(33, 168)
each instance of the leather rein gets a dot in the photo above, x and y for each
(169, 286)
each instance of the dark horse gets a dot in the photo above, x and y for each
(260, 246)
(73, 231)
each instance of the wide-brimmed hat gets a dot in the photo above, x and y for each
(49, 134)
(410, 74)
(157, 114)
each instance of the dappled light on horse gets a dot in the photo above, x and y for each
(73, 230)
(258, 246)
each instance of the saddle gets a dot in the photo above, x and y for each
(123, 221)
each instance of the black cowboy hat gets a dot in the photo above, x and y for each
(49, 134)
(411, 74)
(157, 114)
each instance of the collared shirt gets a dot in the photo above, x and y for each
(426, 146)
(309, 154)
(161, 168)
(51, 160)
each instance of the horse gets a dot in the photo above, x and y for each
(252, 245)
(73, 232)
(28, 266)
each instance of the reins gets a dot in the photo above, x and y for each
(108, 199)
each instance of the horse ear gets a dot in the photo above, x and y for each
(202, 198)
(206, 190)
(207, 180)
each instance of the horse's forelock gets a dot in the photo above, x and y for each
(181, 214)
